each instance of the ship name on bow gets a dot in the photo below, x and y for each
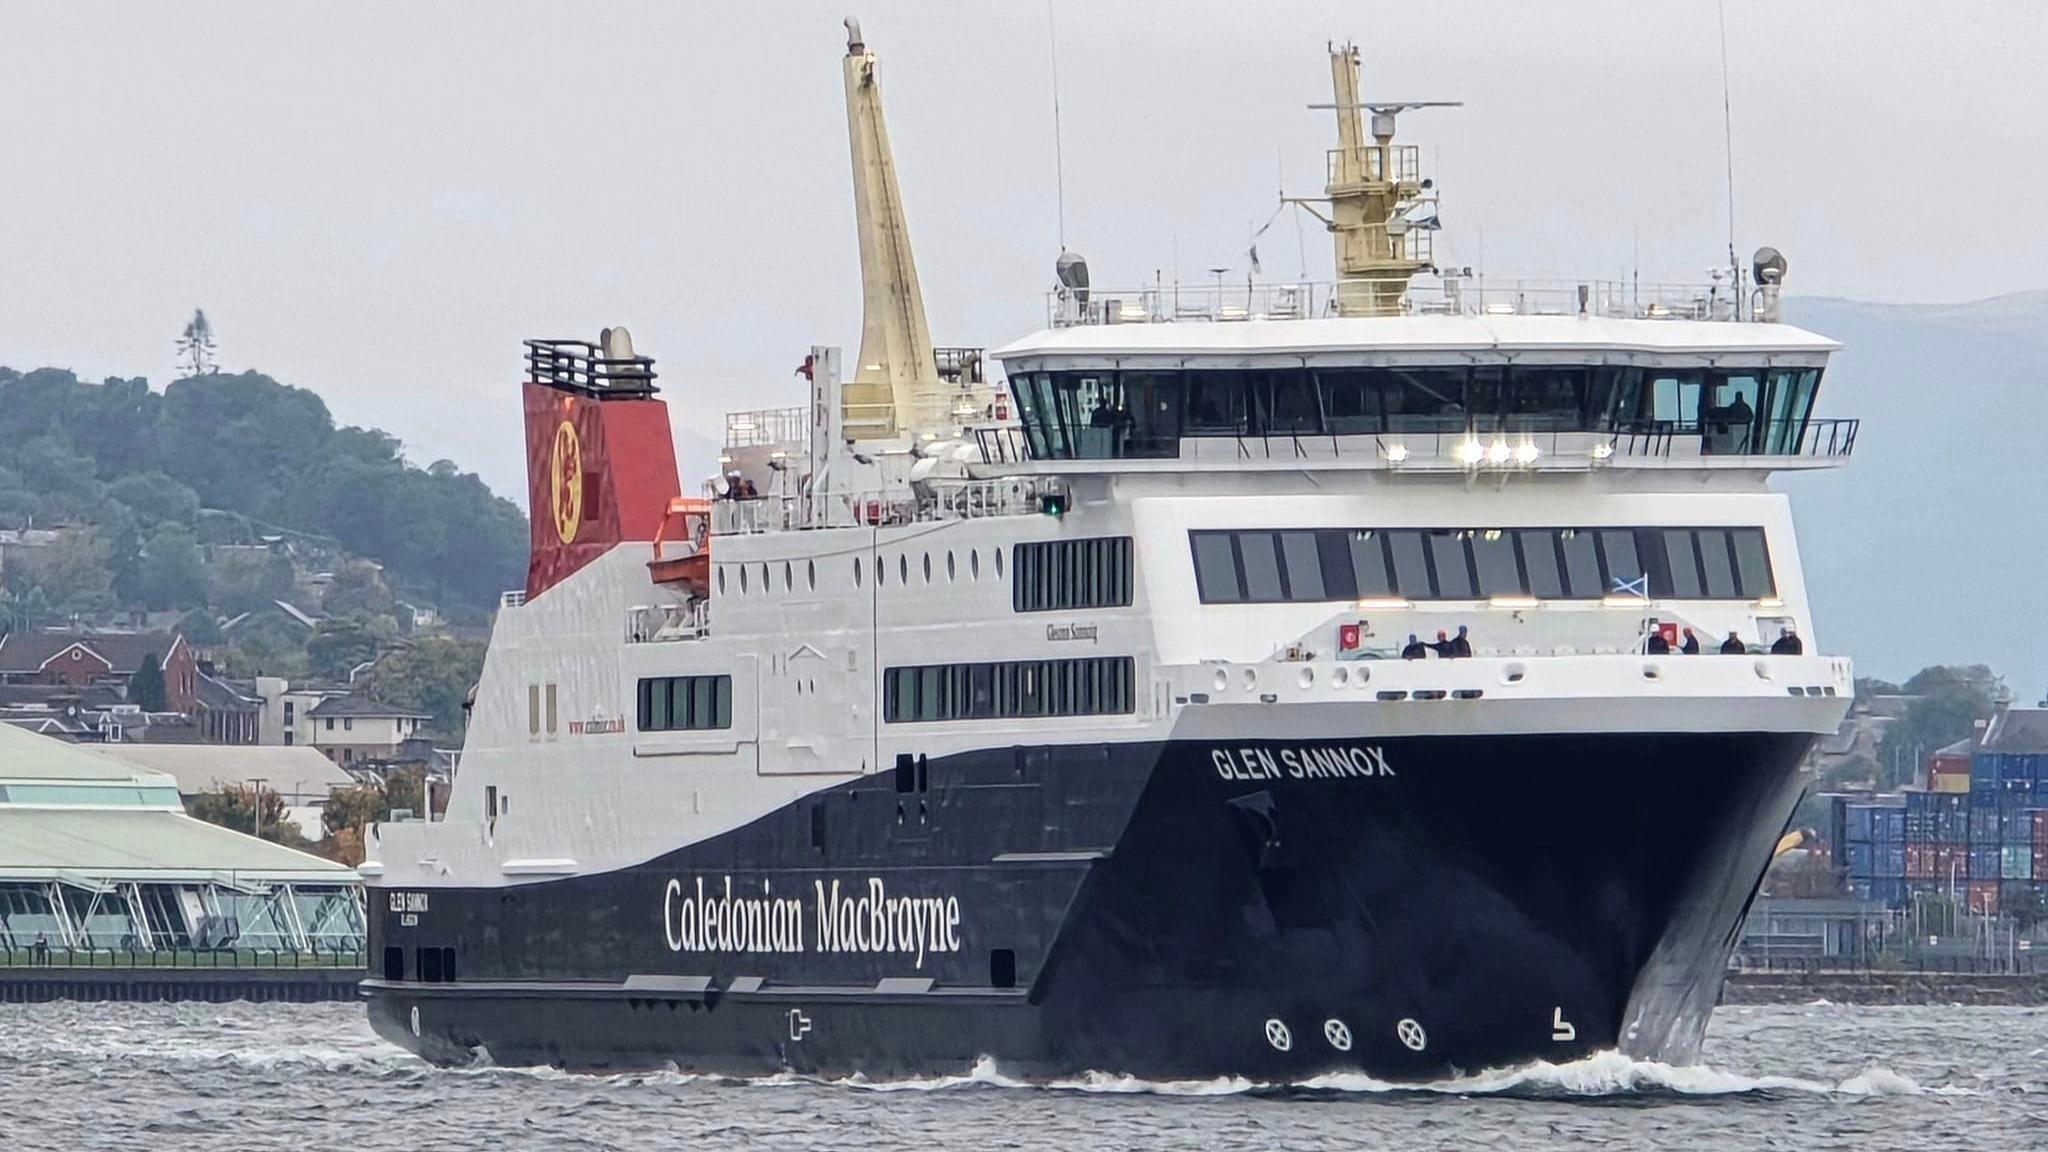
(1302, 762)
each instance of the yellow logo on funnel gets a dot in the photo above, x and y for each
(567, 482)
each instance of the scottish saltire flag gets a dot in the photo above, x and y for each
(1638, 587)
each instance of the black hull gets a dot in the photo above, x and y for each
(1404, 907)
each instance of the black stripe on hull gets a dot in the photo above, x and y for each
(1402, 907)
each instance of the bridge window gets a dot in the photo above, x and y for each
(1096, 414)
(1011, 689)
(1324, 565)
(685, 703)
(1056, 575)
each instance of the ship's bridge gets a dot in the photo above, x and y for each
(1531, 379)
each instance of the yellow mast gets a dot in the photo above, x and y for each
(895, 376)
(1372, 188)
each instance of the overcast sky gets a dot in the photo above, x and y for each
(379, 201)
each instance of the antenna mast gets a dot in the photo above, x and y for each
(1728, 153)
(196, 346)
(1059, 159)
(1375, 189)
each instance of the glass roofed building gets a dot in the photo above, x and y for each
(98, 854)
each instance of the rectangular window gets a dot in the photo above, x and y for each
(1410, 564)
(1717, 564)
(1447, 557)
(1685, 568)
(1085, 686)
(1493, 551)
(1624, 570)
(1304, 565)
(1261, 564)
(1333, 564)
(1060, 575)
(1216, 568)
(684, 703)
(1539, 557)
(1752, 563)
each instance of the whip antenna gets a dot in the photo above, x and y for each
(1059, 162)
(1728, 153)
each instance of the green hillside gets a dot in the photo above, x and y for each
(231, 459)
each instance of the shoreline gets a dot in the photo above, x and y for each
(2020, 990)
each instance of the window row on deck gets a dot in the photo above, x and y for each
(685, 703)
(1010, 689)
(1331, 564)
(1106, 413)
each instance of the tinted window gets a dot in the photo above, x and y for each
(1624, 570)
(1411, 570)
(1752, 562)
(1494, 552)
(1685, 570)
(1261, 566)
(1539, 556)
(1581, 564)
(678, 703)
(1716, 562)
(1368, 551)
(1304, 565)
(1447, 552)
(1216, 569)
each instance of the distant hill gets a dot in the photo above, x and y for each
(228, 459)
(1932, 545)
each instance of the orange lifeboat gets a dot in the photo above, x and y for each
(682, 545)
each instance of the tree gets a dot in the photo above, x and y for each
(432, 674)
(1952, 699)
(338, 647)
(146, 687)
(357, 591)
(235, 806)
(173, 575)
(349, 810)
(66, 579)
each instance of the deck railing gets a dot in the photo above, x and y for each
(1448, 294)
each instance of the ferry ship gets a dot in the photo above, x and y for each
(1065, 722)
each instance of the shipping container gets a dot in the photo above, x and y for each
(2016, 862)
(1953, 826)
(2040, 862)
(2018, 827)
(1983, 897)
(1888, 824)
(1858, 858)
(1859, 890)
(1984, 862)
(1889, 892)
(1888, 861)
(1984, 823)
(1951, 782)
(1856, 823)
(1920, 861)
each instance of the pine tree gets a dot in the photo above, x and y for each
(146, 687)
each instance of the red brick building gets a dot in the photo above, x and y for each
(79, 660)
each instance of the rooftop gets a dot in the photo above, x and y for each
(2018, 730)
(298, 771)
(363, 706)
(1411, 334)
(144, 844)
(23, 652)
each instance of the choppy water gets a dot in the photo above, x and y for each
(249, 1077)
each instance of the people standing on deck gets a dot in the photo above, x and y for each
(1739, 416)
(1733, 646)
(1462, 644)
(1691, 647)
(1442, 645)
(1415, 649)
(1787, 644)
(1656, 644)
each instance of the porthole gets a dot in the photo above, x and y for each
(743, 579)
(951, 574)
(999, 562)
(927, 567)
(881, 573)
(974, 564)
(721, 579)
(903, 569)
(856, 571)
(811, 574)
(766, 584)
(788, 577)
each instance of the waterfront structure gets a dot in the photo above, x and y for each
(1085, 740)
(300, 777)
(97, 854)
